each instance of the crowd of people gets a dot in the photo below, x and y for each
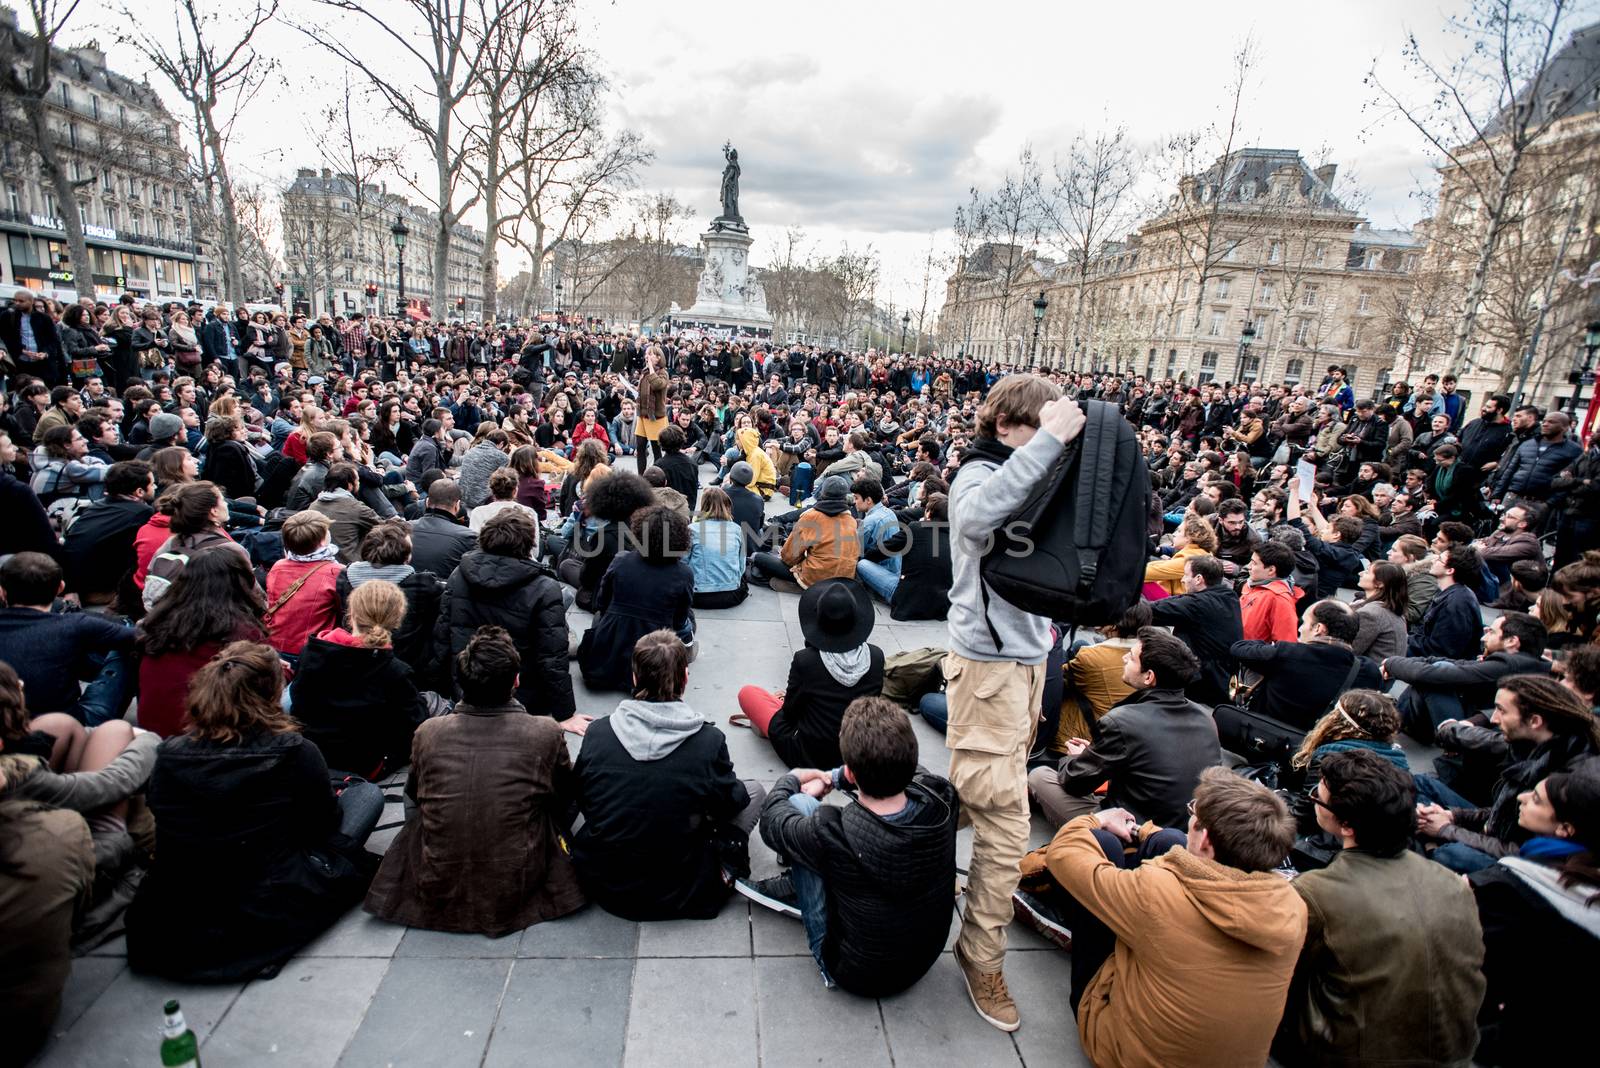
(257, 569)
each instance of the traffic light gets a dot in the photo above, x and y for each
(461, 303)
(372, 289)
(277, 287)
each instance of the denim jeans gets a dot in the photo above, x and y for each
(878, 578)
(107, 696)
(800, 482)
(360, 808)
(1453, 855)
(935, 708)
(1433, 792)
(812, 893)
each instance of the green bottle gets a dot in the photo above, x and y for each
(179, 1047)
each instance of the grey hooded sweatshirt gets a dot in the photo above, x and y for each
(651, 730)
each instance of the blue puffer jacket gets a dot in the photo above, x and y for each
(1534, 465)
(717, 558)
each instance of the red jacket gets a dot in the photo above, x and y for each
(1267, 612)
(313, 608)
(147, 542)
(583, 432)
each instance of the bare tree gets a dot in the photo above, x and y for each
(785, 282)
(211, 62)
(1485, 111)
(259, 236)
(854, 278)
(356, 153)
(1088, 202)
(654, 271)
(28, 80)
(1010, 224)
(439, 41)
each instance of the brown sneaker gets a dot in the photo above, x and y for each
(989, 994)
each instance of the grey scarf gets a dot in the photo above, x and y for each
(847, 668)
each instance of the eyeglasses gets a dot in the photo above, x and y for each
(1190, 806)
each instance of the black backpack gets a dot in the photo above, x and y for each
(1074, 552)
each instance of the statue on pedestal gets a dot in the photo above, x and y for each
(730, 182)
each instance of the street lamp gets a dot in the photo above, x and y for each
(1039, 306)
(1591, 345)
(905, 324)
(1246, 336)
(400, 231)
(558, 300)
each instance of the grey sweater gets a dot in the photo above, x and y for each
(983, 497)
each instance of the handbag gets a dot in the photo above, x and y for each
(1260, 738)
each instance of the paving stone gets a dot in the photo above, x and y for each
(692, 1012)
(357, 934)
(122, 1027)
(431, 1013)
(563, 1012)
(89, 978)
(304, 1016)
(775, 935)
(590, 932)
(804, 1023)
(725, 935)
(1041, 983)
(934, 1023)
(420, 943)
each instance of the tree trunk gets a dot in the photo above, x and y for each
(233, 275)
(66, 197)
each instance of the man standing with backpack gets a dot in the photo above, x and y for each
(995, 669)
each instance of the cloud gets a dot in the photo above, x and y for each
(859, 153)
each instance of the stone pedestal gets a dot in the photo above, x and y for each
(727, 299)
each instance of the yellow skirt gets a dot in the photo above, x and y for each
(650, 429)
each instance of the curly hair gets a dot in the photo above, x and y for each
(618, 496)
(1365, 715)
(660, 534)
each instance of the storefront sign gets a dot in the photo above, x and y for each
(47, 222)
(60, 276)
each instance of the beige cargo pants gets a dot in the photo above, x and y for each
(993, 708)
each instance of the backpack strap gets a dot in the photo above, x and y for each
(1092, 510)
(293, 589)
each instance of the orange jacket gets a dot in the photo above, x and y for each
(822, 547)
(1267, 612)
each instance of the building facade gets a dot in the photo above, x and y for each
(340, 254)
(135, 194)
(1255, 272)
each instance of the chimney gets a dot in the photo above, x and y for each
(305, 172)
(1326, 172)
(89, 55)
(326, 173)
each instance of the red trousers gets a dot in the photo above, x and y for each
(760, 706)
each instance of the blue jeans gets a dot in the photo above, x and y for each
(812, 892)
(1433, 792)
(107, 696)
(935, 708)
(800, 482)
(878, 578)
(1453, 855)
(360, 808)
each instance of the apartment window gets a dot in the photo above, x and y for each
(72, 132)
(1247, 190)
(1224, 287)
(13, 199)
(1319, 252)
(1374, 259)
(111, 216)
(133, 189)
(1260, 323)
(108, 183)
(66, 95)
(1302, 331)
(1308, 296)
(156, 195)
(1355, 336)
(1293, 371)
(94, 107)
(136, 220)
(349, 274)
(1251, 368)
(1268, 290)
(1232, 251)
(83, 212)
(1161, 321)
(161, 226)
(1183, 290)
(1208, 365)
(1172, 363)
(1275, 252)
(1215, 329)
(50, 206)
(1364, 300)
(77, 171)
(122, 115)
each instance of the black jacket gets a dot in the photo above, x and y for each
(522, 597)
(647, 849)
(250, 863)
(1472, 680)
(1482, 442)
(682, 475)
(1452, 626)
(925, 578)
(230, 466)
(439, 541)
(360, 706)
(1338, 564)
(1209, 623)
(98, 550)
(888, 883)
(805, 731)
(1152, 751)
(1301, 680)
(750, 512)
(413, 642)
(635, 597)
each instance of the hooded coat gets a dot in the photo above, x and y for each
(358, 704)
(1192, 935)
(1267, 612)
(483, 851)
(766, 479)
(520, 596)
(656, 788)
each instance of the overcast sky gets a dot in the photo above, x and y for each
(866, 122)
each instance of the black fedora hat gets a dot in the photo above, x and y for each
(836, 615)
